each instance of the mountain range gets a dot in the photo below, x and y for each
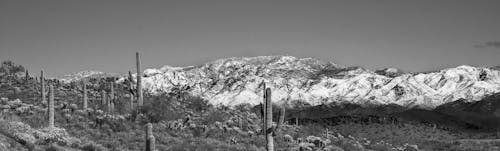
(238, 80)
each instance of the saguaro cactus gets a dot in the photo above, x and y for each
(27, 75)
(152, 143)
(270, 129)
(263, 107)
(103, 101)
(131, 89)
(42, 86)
(112, 107)
(269, 121)
(112, 97)
(150, 139)
(112, 91)
(51, 106)
(139, 80)
(108, 104)
(281, 120)
(85, 98)
(16, 90)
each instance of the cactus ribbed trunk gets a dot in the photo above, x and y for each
(108, 104)
(111, 107)
(281, 120)
(42, 87)
(130, 78)
(51, 106)
(140, 100)
(131, 89)
(150, 139)
(26, 76)
(264, 106)
(152, 143)
(131, 103)
(112, 97)
(103, 101)
(269, 122)
(112, 91)
(240, 122)
(85, 98)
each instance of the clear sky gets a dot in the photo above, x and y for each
(66, 36)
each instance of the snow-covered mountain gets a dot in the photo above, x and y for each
(84, 74)
(234, 81)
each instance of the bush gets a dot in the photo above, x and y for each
(10, 68)
(160, 108)
(55, 147)
(311, 130)
(93, 147)
(197, 104)
(215, 116)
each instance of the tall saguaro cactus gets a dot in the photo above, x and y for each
(269, 121)
(112, 97)
(112, 91)
(150, 139)
(85, 98)
(27, 75)
(131, 89)
(281, 120)
(263, 107)
(104, 102)
(42, 86)
(270, 129)
(140, 100)
(51, 106)
(152, 143)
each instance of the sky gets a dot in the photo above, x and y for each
(67, 36)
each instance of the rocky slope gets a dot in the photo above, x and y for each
(293, 80)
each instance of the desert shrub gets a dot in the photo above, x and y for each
(214, 116)
(117, 123)
(333, 148)
(54, 135)
(351, 145)
(35, 121)
(311, 129)
(10, 68)
(55, 147)
(93, 147)
(206, 144)
(197, 104)
(244, 107)
(160, 108)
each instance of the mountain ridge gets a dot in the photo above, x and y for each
(236, 80)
